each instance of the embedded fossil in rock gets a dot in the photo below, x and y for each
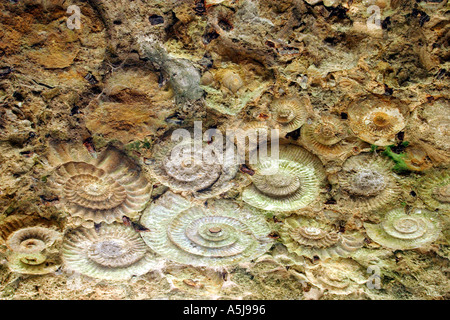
(434, 189)
(205, 171)
(97, 189)
(115, 252)
(402, 231)
(290, 112)
(310, 238)
(367, 184)
(32, 244)
(376, 120)
(217, 235)
(295, 184)
(327, 137)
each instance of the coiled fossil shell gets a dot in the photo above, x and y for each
(99, 189)
(295, 185)
(376, 121)
(402, 231)
(290, 112)
(32, 244)
(216, 235)
(308, 237)
(205, 172)
(367, 184)
(326, 138)
(232, 81)
(114, 252)
(434, 189)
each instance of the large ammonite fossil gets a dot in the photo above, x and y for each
(220, 234)
(377, 120)
(434, 189)
(114, 252)
(103, 188)
(204, 170)
(32, 244)
(295, 183)
(366, 183)
(310, 238)
(402, 231)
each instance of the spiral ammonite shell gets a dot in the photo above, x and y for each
(205, 171)
(376, 120)
(220, 234)
(402, 231)
(290, 112)
(434, 189)
(309, 238)
(295, 184)
(100, 189)
(367, 184)
(326, 138)
(114, 252)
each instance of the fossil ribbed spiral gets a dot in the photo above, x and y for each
(220, 234)
(308, 237)
(367, 183)
(98, 189)
(32, 244)
(295, 184)
(114, 252)
(434, 189)
(204, 171)
(326, 137)
(402, 231)
(290, 112)
(376, 121)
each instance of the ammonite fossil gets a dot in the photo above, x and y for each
(367, 184)
(402, 231)
(104, 188)
(376, 120)
(220, 234)
(290, 112)
(310, 238)
(203, 171)
(326, 137)
(434, 189)
(295, 184)
(114, 252)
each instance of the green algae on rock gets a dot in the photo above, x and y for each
(220, 234)
(402, 231)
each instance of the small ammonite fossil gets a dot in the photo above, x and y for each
(311, 238)
(434, 189)
(220, 234)
(402, 231)
(290, 112)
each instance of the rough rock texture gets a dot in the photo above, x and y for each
(137, 70)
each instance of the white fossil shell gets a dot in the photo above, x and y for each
(114, 252)
(308, 237)
(295, 184)
(204, 171)
(290, 112)
(367, 183)
(104, 188)
(376, 121)
(402, 231)
(220, 234)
